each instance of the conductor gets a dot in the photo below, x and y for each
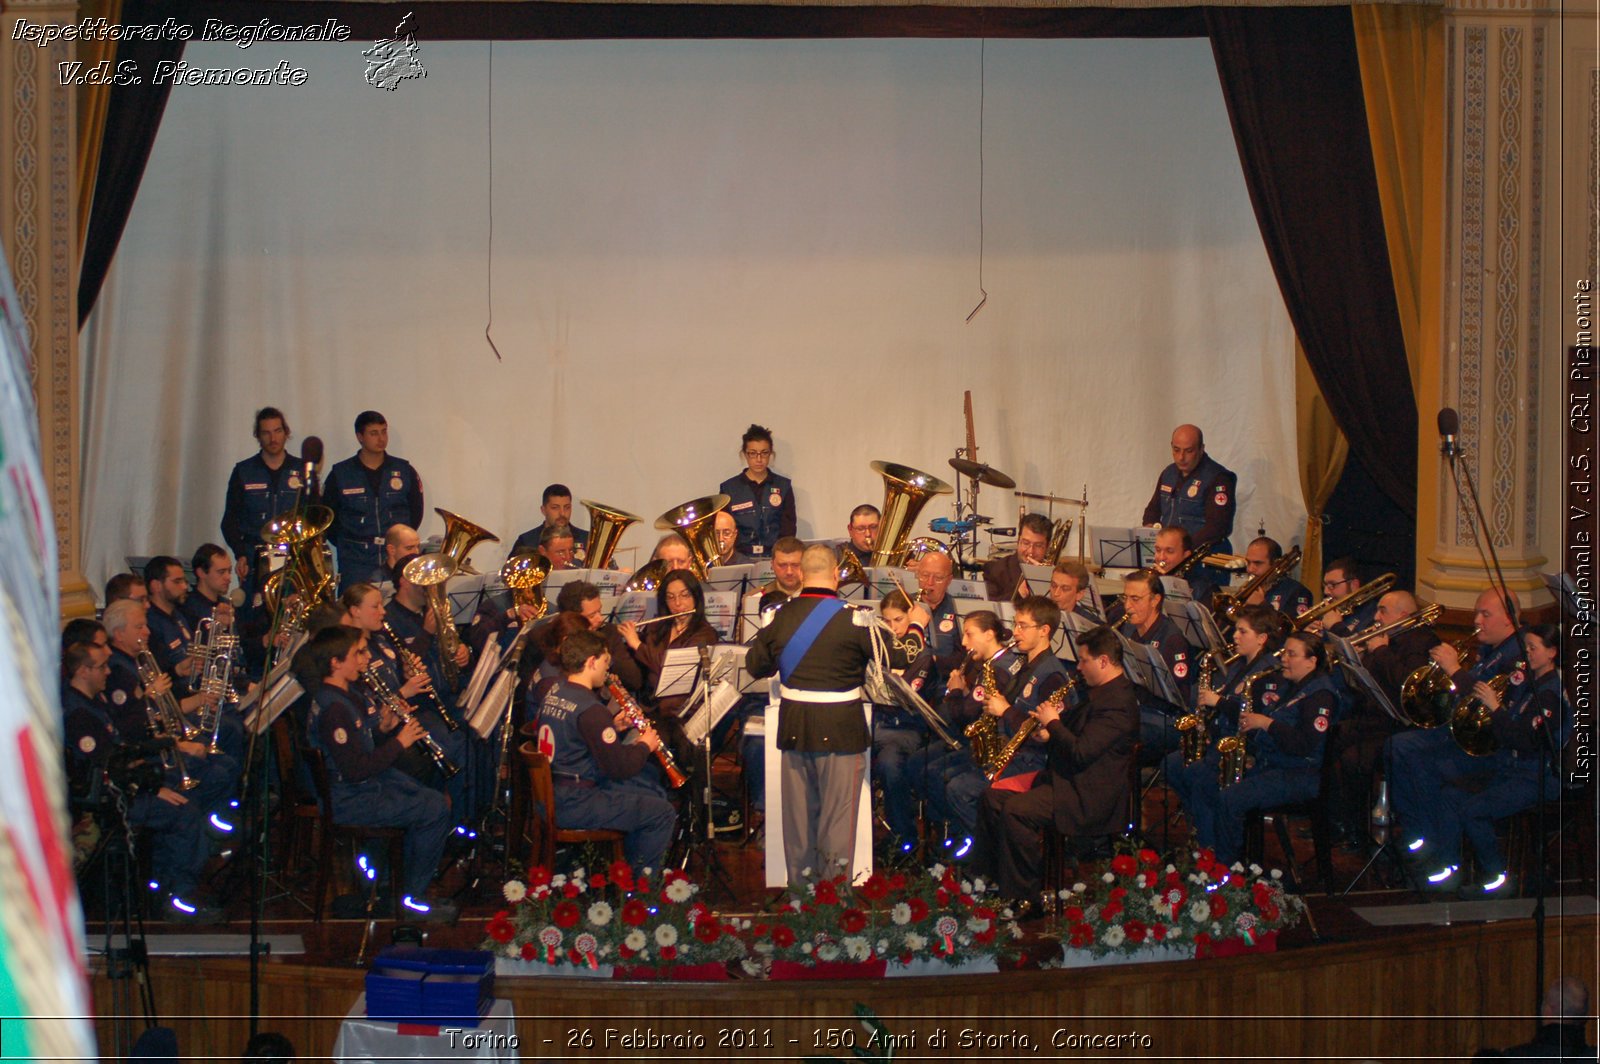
(820, 651)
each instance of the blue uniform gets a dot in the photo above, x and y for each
(256, 494)
(529, 541)
(944, 640)
(170, 636)
(600, 782)
(368, 791)
(1156, 715)
(1288, 764)
(466, 787)
(365, 504)
(1201, 503)
(1289, 597)
(764, 512)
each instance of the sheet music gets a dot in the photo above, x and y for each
(971, 589)
(1148, 669)
(632, 606)
(1118, 547)
(1349, 660)
(735, 578)
(722, 610)
(680, 671)
(1196, 623)
(609, 581)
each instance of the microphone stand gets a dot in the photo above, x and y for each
(1491, 560)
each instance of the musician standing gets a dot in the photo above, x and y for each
(821, 651)
(368, 492)
(1083, 791)
(1194, 492)
(1002, 577)
(762, 501)
(555, 505)
(261, 487)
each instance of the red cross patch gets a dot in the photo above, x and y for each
(1321, 723)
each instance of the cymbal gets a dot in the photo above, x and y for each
(981, 473)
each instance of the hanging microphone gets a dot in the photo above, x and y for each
(1449, 428)
(311, 454)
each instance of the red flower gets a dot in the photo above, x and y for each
(1118, 893)
(759, 930)
(827, 893)
(625, 951)
(1235, 880)
(1082, 935)
(1202, 944)
(942, 896)
(500, 928)
(565, 915)
(1135, 931)
(782, 936)
(852, 920)
(897, 881)
(1219, 907)
(538, 876)
(634, 912)
(919, 909)
(1149, 858)
(669, 953)
(1174, 895)
(983, 912)
(1260, 894)
(570, 890)
(1074, 913)
(621, 874)
(598, 881)
(708, 930)
(1174, 880)
(875, 887)
(529, 951)
(1270, 912)
(1110, 911)
(1123, 864)
(1159, 932)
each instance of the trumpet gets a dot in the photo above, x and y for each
(397, 705)
(635, 716)
(165, 718)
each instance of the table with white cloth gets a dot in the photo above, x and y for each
(367, 1041)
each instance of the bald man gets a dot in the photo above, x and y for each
(1194, 492)
(727, 531)
(1563, 1015)
(934, 573)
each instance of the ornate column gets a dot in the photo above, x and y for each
(38, 227)
(1508, 276)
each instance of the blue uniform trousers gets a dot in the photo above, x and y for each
(392, 799)
(637, 808)
(178, 845)
(1218, 813)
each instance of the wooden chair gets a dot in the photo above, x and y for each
(1055, 862)
(542, 814)
(1568, 820)
(298, 811)
(1321, 838)
(356, 835)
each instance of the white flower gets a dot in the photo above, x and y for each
(883, 945)
(1237, 866)
(1216, 929)
(806, 947)
(1108, 878)
(1114, 936)
(979, 886)
(794, 903)
(1174, 931)
(857, 948)
(805, 873)
(915, 942)
(1139, 880)
(977, 923)
(1171, 868)
(1079, 888)
(513, 951)
(966, 886)
(1255, 869)
(580, 873)
(635, 940)
(666, 935)
(514, 890)
(679, 890)
(937, 871)
(1200, 911)
(901, 913)
(558, 881)
(1063, 894)
(600, 914)
(1277, 873)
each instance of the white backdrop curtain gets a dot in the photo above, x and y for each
(689, 236)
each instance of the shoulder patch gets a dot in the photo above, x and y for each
(86, 744)
(1221, 496)
(1180, 668)
(341, 736)
(1518, 677)
(609, 735)
(119, 696)
(1321, 723)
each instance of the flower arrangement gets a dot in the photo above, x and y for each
(574, 920)
(888, 917)
(1135, 902)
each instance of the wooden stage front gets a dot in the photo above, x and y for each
(1427, 992)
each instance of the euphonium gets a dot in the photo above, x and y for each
(433, 571)
(905, 492)
(696, 522)
(1060, 532)
(306, 571)
(1469, 721)
(1058, 698)
(1428, 697)
(984, 733)
(850, 571)
(525, 575)
(631, 712)
(606, 526)
(460, 536)
(398, 706)
(1226, 603)
(1348, 603)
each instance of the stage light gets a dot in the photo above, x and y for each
(966, 844)
(1495, 884)
(154, 885)
(181, 905)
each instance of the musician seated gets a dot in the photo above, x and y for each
(176, 819)
(399, 541)
(411, 617)
(583, 598)
(1341, 578)
(1082, 793)
(1002, 577)
(727, 534)
(1174, 550)
(1287, 595)
(1355, 750)
(672, 551)
(934, 572)
(125, 586)
(170, 634)
(365, 787)
(898, 733)
(1143, 595)
(598, 771)
(990, 666)
(1283, 736)
(555, 506)
(1422, 764)
(861, 533)
(681, 597)
(1220, 697)
(1069, 589)
(213, 575)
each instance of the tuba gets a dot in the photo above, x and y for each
(905, 492)
(525, 575)
(1226, 603)
(433, 571)
(696, 522)
(1348, 603)
(606, 526)
(1428, 697)
(297, 536)
(850, 571)
(460, 536)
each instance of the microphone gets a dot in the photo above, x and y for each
(1449, 428)
(311, 452)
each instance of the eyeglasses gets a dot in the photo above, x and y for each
(865, 528)
(1329, 585)
(1024, 626)
(757, 454)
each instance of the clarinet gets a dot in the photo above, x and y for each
(411, 665)
(635, 716)
(398, 707)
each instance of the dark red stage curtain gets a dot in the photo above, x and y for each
(1292, 83)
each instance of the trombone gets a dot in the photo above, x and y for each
(1347, 603)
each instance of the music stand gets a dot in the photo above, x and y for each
(1198, 626)
(1147, 668)
(697, 680)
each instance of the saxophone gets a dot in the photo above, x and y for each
(397, 705)
(984, 733)
(1193, 727)
(1058, 698)
(635, 716)
(1234, 751)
